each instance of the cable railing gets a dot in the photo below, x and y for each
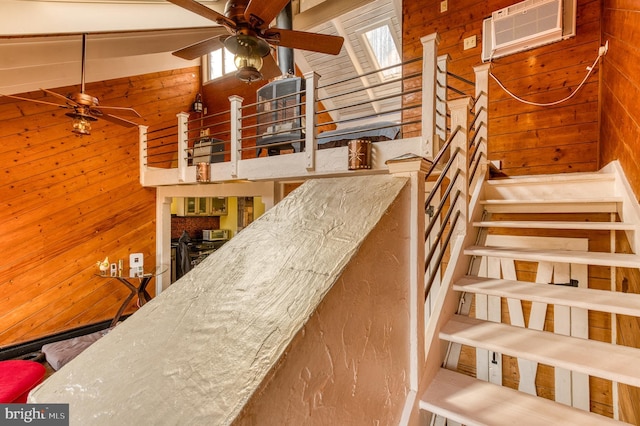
(452, 177)
(437, 245)
(304, 121)
(368, 106)
(161, 148)
(477, 141)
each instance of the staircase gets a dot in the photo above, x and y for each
(534, 294)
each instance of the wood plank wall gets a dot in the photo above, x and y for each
(526, 139)
(69, 201)
(620, 128)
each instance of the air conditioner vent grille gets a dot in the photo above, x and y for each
(526, 25)
(529, 22)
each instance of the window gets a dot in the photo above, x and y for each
(219, 63)
(383, 49)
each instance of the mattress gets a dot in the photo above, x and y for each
(374, 132)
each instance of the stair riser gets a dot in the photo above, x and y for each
(558, 207)
(593, 188)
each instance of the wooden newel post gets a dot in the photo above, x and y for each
(482, 110)
(429, 86)
(311, 131)
(415, 168)
(183, 145)
(236, 133)
(460, 124)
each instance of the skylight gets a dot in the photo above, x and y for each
(383, 49)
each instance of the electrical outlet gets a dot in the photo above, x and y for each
(444, 5)
(603, 49)
(470, 42)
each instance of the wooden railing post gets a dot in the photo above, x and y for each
(441, 99)
(236, 133)
(482, 111)
(311, 131)
(415, 168)
(431, 144)
(144, 159)
(183, 145)
(460, 119)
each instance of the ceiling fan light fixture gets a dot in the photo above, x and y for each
(249, 75)
(81, 124)
(248, 51)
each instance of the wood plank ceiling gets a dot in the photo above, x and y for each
(45, 52)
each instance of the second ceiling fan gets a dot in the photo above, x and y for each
(247, 35)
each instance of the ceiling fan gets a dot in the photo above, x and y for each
(85, 108)
(251, 37)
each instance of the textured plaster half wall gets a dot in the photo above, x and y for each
(349, 365)
(196, 353)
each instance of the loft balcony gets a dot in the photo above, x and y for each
(299, 128)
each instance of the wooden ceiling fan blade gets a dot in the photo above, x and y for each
(121, 110)
(204, 11)
(62, 97)
(270, 68)
(118, 120)
(303, 40)
(260, 13)
(200, 48)
(35, 100)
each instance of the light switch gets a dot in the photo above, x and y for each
(470, 42)
(444, 5)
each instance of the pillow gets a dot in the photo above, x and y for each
(60, 353)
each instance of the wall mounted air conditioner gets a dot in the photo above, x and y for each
(526, 25)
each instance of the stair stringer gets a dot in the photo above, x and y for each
(630, 211)
(447, 302)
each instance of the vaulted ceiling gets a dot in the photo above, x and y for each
(40, 40)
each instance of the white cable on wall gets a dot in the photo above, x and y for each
(601, 52)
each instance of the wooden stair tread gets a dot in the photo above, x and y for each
(580, 205)
(540, 224)
(473, 402)
(595, 300)
(550, 179)
(594, 358)
(558, 256)
(553, 201)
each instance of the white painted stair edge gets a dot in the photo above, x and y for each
(558, 256)
(476, 403)
(565, 205)
(552, 224)
(584, 298)
(612, 362)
